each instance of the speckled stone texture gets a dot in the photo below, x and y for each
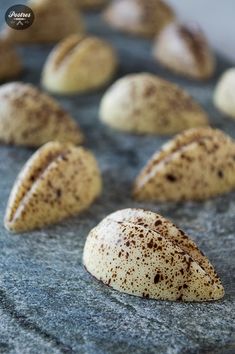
(50, 304)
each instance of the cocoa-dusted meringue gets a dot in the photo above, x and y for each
(196, 165)
(184, 49)
(58, 181)
(31, 118)
(79, 64)
(10, 62)
(224, 96)
(54, 20)
(143, 254)
(139, 17)
(146, 104)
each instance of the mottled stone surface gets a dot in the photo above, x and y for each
(50, 304)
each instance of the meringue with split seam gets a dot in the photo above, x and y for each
(139, 17)
(196, 165)
(184, 49)
(79, 64)
(141, 253)
(58, 181)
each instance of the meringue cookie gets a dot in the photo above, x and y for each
(224, 96)
(146, 104)
(141, 253)
(58, 181)
(184, 50)
(196, 165)
(31, 118)
(74, 65)
(139, 17)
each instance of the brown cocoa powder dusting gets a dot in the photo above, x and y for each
(195, 40)
(37, 174)
(157, 278)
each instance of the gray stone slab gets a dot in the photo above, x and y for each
(50, 304)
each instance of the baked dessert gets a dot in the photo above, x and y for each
(142, 253)
(224, 96)
(79, 64)
(146, 104)
(184, 49)
(54, 20)
(139, 17)
(58, 181)
(31, 118)
(195, 165)
(10, 63)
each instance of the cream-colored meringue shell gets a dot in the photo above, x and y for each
(142, 253)
(185, 50)
(224, 96)
(79, 64)
(58, 181)
(10, 62)
(146, 104)
(139, 17)
(54, 20)
(31, 118)
(196, 165)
